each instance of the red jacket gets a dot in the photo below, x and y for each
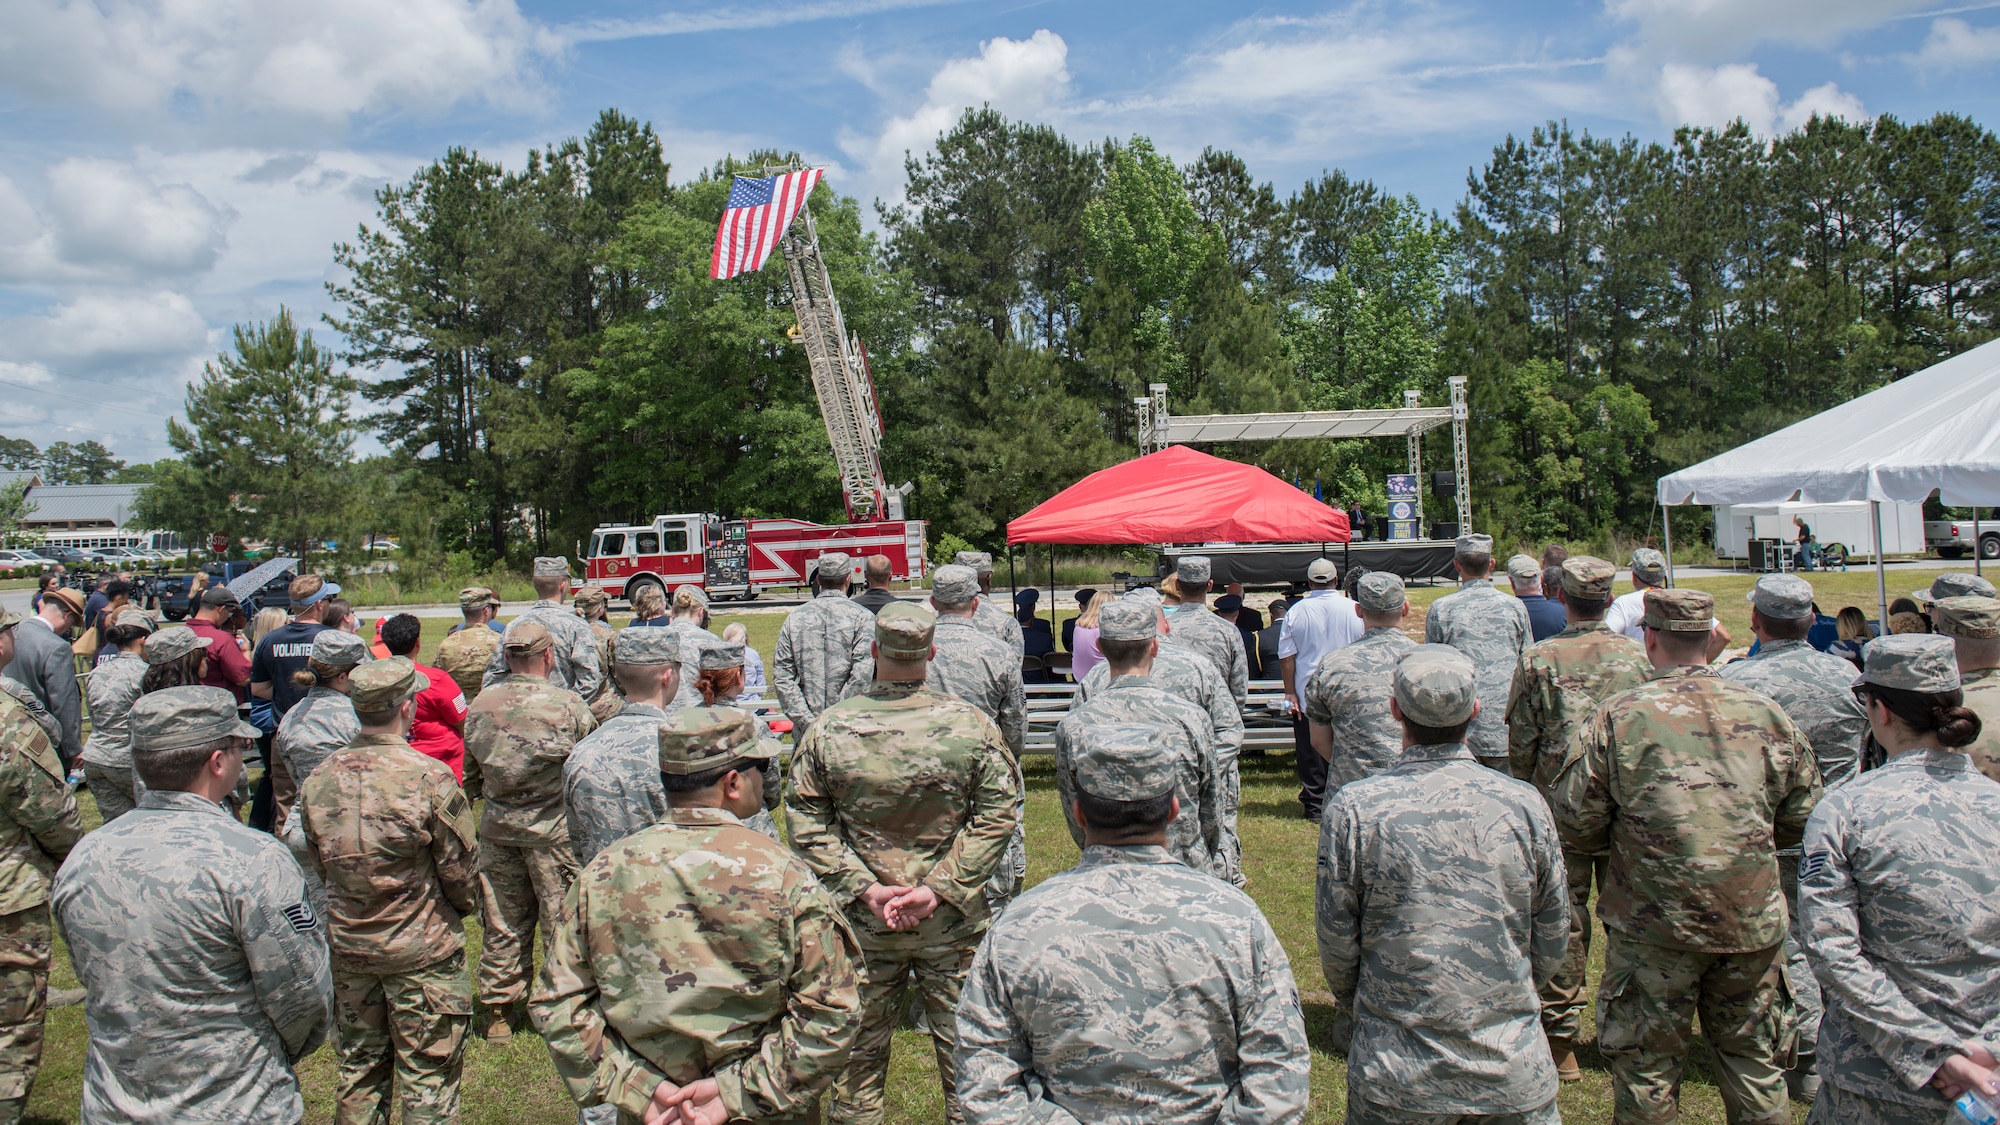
(227, 666)
(440, 727)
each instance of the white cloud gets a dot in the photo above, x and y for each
(733, 19)
(31, 374)
(104, 331)
(295, 60)
(1725, 30)
(1716, 96)
(108, 216)
(1954, 44)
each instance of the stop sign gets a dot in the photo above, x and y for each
(218, 543)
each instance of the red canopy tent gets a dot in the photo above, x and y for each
(1180, 495)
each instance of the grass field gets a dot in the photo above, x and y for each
(515, 1084)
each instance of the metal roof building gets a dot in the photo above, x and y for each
(76, 507)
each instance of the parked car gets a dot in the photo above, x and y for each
(11, 560)
(1952, 539)
(68, 556)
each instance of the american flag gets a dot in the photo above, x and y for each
(755, 218)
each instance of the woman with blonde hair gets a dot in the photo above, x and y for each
(754, 683)
(1084, 653)
(267, 619)
(690, 620)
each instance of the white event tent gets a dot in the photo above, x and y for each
(1935, 431)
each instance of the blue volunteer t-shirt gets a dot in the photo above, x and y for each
(284, 650)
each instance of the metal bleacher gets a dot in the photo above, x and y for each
(1266, 722)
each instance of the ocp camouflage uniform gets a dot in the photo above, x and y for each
(1195, 628)
(1692, 783)
(904, 786)
(1491, 628)
(697, 948)
(392, 836)
(1559, 683)
(38, 827)
(464, 656)
(1816, 691)
(575, 647)
(815, 653)
(607, 701)
(1195, 836)
(1900, 900)
(43, 717)
(1441, 910)
(520, 731)
(1348, 693)
(1131, 990)
(107, 754)
(1982, 696)
(316, 726)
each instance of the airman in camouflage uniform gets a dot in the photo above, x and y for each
(1900, 904)
(902, 801)
(392, 836)
(38, 827)
(698, 964)
(43, 717)
(107, 755)
(690, 623)
(317, 725)
(1973, 624)
(465, 653)
(205, 966)
(1131, 989)
(1130, 698)
(1815, 689)
(1692, 782)
(1441, 912)
(1491, 628)
(1559, 683)
(1346, 698)
(1195, 628)
(593, 604)
(991, 616)
(611, 780)
(576, 666)
(521, 731)
(1952, 584)
(816, 644)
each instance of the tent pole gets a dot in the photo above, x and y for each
(1881, 579)
(1055, 629)
(1667, 526)
(1013, 586)
(1976, 552)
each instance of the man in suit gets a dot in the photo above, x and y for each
(46, 666)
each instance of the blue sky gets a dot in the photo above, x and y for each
(168, 169)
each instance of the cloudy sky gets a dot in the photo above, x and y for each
(171, 167)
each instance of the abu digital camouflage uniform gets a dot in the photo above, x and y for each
(697, 948)
(1982, 696)
(1816, 691)
(575, 648)
(204, 964)
(815, 654)
(1195, 628)
(1195, 837)
(38, 827)
(107, 753)
(906, 787)
(1559, 683)
(994, 621)
(1348, 693)
(1491, 628)
(464, 656)
(520, 731)
(310, 732)
(392, 836)
(694, 638)
(1692, 783)
(1441, 910)
(1899, 897)
(611, 781)
(1131, 990)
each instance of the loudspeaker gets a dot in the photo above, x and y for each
(1444, 531)
(1444, 484)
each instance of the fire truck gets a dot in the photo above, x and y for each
(742, 558)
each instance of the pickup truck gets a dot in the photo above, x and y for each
(1952, 539)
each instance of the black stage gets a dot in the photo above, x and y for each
(1276, 564)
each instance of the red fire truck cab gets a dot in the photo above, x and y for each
(739, 558)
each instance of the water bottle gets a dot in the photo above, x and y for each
(1975, 1108)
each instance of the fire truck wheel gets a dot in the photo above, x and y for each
(632, 589)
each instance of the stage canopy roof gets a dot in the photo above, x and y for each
(1180, 495)
(1938, 429)
(1201, 428)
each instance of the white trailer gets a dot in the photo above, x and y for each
(1843, 526)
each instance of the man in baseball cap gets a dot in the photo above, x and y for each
(43, 662)
(221, 618)
(1649, 570)
(1316, 626)
(1545, 615)
(1420, 903)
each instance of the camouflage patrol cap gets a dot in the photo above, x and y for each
(1954, 585)
(384, 685)
(952, 584)
(1521, 568)
(1972, 617)
(1782, 597)
(834, 564)
(903, 631)
(1128, 619)
(128, 619)
(1649, 566)
(699, 739)
(590, 594)
(1380, 592)
(644, 647)
(1146, 596)
(172, 643)
(1194, 570)
(716, 656)
(551, 566)
(1127, 762)
(8, 619)
(980, 561)
(339, 648)
(1588, 578)
(1924, 662)
(1472, 547)
(177, 717)
(1680, 611)
(476, 597)
(1436, 686)
(526, 637)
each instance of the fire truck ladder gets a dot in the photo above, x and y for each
(841, 377)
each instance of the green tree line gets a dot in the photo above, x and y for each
(542, 350)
